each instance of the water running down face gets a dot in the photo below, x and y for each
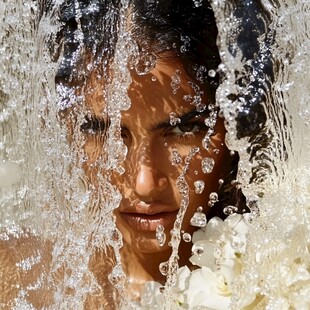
(160, 129)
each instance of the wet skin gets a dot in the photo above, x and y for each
(148, 186)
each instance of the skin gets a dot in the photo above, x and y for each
(148, 186)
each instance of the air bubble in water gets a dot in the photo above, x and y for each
(187, 237)
(199, 186)
(207, 165)
(230, 210)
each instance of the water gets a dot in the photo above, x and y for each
(277, 176)
(45, 194)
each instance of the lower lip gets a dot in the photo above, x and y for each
(149, 223)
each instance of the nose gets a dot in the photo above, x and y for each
(149, 181)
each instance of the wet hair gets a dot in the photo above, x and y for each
(179, 28)
(87, 33)
(89, 29)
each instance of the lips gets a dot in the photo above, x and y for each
(146, 217)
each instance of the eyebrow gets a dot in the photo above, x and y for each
(184, 118)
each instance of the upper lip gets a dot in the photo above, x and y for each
(148, 208)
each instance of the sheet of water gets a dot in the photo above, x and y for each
(43, 191)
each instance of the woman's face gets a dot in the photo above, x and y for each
(160, 129)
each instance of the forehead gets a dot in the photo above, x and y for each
(166, 88)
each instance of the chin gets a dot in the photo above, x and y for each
(142, 244)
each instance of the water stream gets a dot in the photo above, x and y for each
(56, 216)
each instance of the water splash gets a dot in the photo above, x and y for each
(44, 192)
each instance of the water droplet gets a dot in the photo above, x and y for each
(186, 43)
(221, 181)
(199, 219)
(160, 235)
(201, 107)
(182, 185)
(232, 153)
(154, 79)
(196, 172)
(230, 210)
(216, 151)
(207, 164)
(176, 158)
(173, 119)
(160, 229)
(188, 98)
(187, 237)
(212, 73)
(175, 81)
(210, 122)
(183, 49)
(206, 142)
(213, 197)
(198, 3)
(200, 209)
(163, 268)
(145, 64)
(199, 186)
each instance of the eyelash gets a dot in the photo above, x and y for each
(186, 134)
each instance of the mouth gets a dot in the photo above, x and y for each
(148, 222)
